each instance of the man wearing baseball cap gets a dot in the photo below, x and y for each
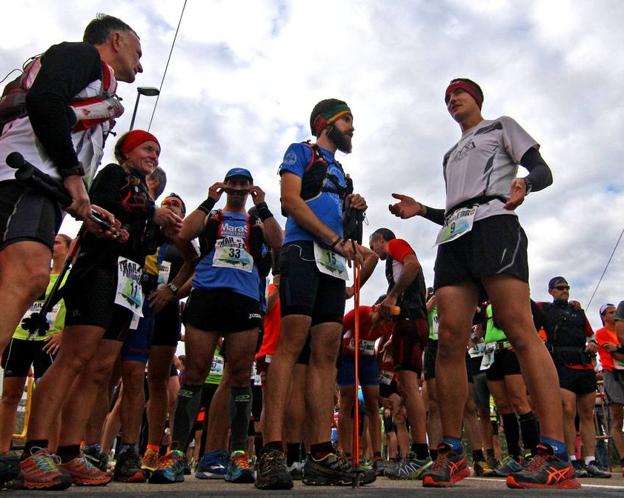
(224, 301)
(315, 194)
(570, 340)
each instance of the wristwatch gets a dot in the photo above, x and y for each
(171, 286)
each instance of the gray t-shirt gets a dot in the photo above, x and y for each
(484, 163)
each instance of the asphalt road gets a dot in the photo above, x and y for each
(473, 487)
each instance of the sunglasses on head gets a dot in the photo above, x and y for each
(562, 287)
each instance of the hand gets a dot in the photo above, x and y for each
(386, 306)
(349, 292)
(98, 230)
(167, 219)
(356, 201)
(592, 347)
(349, 249)
(406, 207)
(52, 344)
(257, 194)
(215, 191)
(160, 297)
(610, 347)
(517, 193)
(80, 207)
(576, 305)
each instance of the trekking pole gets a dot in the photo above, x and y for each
(37, 322)
(356, 356)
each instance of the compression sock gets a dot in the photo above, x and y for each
(68, 453)
(421, 450)
(293, 453)
(512, 435)
(558, 447)
(189, 399)
(530, 431)
(240, 410)
(321, 450)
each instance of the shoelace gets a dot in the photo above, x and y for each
(242, 461)
(440, 462)
(44, 460)
(536, 463)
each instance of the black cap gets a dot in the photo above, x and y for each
(555, 281)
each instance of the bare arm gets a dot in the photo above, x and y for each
(410, 269)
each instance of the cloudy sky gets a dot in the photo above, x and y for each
(244, 76)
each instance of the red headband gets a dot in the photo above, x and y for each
(135, 138)
(472, 90)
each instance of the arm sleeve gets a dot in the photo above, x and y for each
(434, 214)
(539, 175)
(66, 69)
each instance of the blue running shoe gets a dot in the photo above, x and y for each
(213, 465)
(170, 469)
(238, 469)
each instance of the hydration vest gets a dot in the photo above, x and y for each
(412, 301)
(565, 328)
(87, 112)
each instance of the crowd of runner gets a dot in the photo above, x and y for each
(266, 391)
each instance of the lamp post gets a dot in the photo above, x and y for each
(148, 91)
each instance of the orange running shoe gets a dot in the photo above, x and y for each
(449, 467)
(41, 471)
(84, 473)
(545, 470)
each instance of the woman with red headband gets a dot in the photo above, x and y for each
(102, 295)
(482, 249)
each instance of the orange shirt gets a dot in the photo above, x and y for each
(606, 336)
(272, 324)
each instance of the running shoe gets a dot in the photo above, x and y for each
(579, 469)
(41, 471)
(96, 457)
(545, 470)
(482, 469)
(332, 469)
(508, 466)
(128, 467)
(84, 473)
(448, 468)
(594, 471)
(9, 468)
(379, 465)
(170, 469)
(295, 470)
(271, 472)
(150, 460)
(238, 469)
(412, 469)
(213, 465)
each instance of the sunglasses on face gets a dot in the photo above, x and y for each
(562, 287)
(172, 202)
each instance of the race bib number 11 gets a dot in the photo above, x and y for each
(129, 292)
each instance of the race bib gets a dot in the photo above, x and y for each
(129, 292)
(217, 365)
(134, 324)
(330, 263)
(386, 377)
(488, 357)
(230, 252)
(366, 347)
(164, 269)
(50, 315)
(477, 350)
(457, 224)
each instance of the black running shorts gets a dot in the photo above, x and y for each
(304, 290)
(20, 355)
(495, 246)
(27, 215)
(505, 363)
(579, 382)
(222, 310)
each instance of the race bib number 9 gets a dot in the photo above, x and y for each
(230, 252)
(129, 293)
(457, 224)
(330, 263)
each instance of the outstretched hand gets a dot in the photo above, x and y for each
(407, 207)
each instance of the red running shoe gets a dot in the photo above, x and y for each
(449, 467)
(545, 470)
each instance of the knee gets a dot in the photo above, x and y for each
(451, 344)
(324, 356)
(133, 380)
(11, 397)
(569, 411)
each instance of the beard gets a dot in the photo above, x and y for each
(341, 140)
(237, 201)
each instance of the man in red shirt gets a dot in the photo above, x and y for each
(613, 371)
(406, 288)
